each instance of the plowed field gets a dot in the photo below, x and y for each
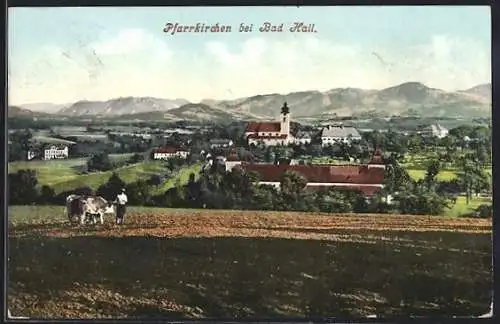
(243, 264)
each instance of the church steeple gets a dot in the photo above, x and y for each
(285, 120)
(285, 110)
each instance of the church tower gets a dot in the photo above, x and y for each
(285, 120)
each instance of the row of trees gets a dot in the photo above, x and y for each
(218, 189)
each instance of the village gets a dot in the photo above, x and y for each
(328, 156)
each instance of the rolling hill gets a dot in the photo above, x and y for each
(397, 100)
(16, 111)
(410, 98)
(121, 106)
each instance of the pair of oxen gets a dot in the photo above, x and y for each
(88, 208)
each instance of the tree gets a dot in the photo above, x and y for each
(20, 145)
(421, 201)
(99, 162)
(472, 177)
(292, 187)
(155, 180)
(47, 195)
(397, 179)
(22, 187)
(137, 192)
(431, 173)
(110, 189)
(136, 158)
(332, 201)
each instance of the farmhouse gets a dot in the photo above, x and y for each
(163, 153)
(339, 134)
(367, 178)
(271, 133)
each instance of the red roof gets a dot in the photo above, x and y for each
(255, 136)
(257, 127)
(169, 149)
(321, 173)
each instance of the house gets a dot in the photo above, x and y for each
(221, 142)
(302, 138)
(233, 159)
(163, 153)
(339, 134)
(367, 178)
(54, 152)
(434, 130)
(271, 133)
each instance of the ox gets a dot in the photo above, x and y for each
(81, 207)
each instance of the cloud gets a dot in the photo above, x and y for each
(305, 63)
(131, 42)
(133, 62)
(127, 63)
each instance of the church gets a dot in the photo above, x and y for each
(271, 133)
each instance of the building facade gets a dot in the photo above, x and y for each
(220, 142)
(367, 179)
(339, 134)
(55, 152)
(435, 130)
(302, 138)
(271, 133)
(163, 153)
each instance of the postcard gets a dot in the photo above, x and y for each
(249, 162)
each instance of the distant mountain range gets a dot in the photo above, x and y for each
(411, 98)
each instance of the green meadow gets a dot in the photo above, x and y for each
(63, 175)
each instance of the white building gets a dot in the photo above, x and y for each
(302, 138)
(435, 130)
(55, 152)
(271, 133)
(163, 153)
(32, 154)
(339, 134)
(220, 142)
(439, 131)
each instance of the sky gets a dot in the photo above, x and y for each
(63, 55)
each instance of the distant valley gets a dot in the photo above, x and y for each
(407, 99)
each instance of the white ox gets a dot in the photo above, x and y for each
(82, 206)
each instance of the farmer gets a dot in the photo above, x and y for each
(121, 201)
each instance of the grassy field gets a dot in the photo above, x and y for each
(58, 171)
(244, 264)
(64, 175)
(416, 167)
(130, 173)
(461, 208)
(182, 176)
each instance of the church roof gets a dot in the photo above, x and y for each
(255, 136)
(257, 127)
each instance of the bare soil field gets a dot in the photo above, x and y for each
(247, 264)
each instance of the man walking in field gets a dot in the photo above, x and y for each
(121, 201)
